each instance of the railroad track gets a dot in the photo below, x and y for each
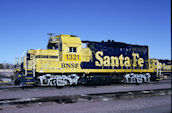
(89, 97)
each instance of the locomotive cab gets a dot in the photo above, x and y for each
(47, 67)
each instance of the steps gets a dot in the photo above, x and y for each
(29, 79)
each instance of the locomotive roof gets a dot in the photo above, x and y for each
(118, 44)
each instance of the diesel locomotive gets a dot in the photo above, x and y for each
(70, 61)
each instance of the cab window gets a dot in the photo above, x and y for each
(72, 49)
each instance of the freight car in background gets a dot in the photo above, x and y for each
(162, 67)
(70, 61)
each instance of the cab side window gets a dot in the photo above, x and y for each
(72, 49)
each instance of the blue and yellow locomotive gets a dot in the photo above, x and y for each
(70, 61)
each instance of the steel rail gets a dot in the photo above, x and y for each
(89, 97)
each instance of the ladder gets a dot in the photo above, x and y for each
(158, 71)
(29, 78)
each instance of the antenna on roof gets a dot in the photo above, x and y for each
(50, 34)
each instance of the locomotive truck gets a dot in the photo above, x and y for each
(70, 61)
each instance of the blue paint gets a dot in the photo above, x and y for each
(115, 49)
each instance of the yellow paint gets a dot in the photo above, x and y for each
(121, 58)
(86, 55)
(140, 62)
(154, 64)
(127, 62)
(106, 61)
(114, 61)
(99, 58)
(69, 62)
(28, 77)
(118, 61)
(135, 56)
(29, 82)
(72, 57)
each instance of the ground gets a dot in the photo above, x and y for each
(157, 104)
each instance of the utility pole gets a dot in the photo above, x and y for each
(4, 66)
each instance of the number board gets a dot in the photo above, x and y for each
(71, 57)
